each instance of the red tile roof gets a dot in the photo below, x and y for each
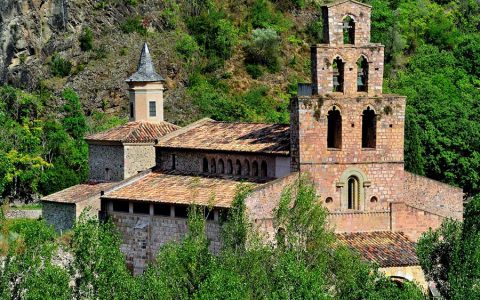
(388, 249)
(134, 132)
(207, 134)
(180, 188)
(78, 192)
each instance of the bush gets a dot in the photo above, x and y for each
(254, 70)
(186, 46)
(263, 15)
(86, 40)
(264, 49)
(133, 24)
(60, 66)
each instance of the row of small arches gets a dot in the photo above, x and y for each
(369, 129)
(219, 166)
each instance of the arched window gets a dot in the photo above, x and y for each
(334, 133)
(348, 30)
(338, 74)
(353, 193)
(213, 166)
(221, 166)
(229, 166)
(255, 169)
(246, 170)
(369, 129)
(362, 74)
(263, 169)
(205, 165)
(238, 167)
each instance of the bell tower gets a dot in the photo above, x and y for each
(146, 91)
(345, 133)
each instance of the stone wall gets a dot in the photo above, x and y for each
(102, 157)
(61, 215)
(360, 221)
(413, 221)
(410, 273)
(23, 214)
(143, 235)
(138, 158)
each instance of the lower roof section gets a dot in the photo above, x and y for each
(386, 248)
(181, 188)
(79, 192)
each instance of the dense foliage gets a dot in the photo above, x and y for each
(450, 255)
(302, 262)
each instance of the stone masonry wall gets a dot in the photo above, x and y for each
(138, 158)
(412, 221)
(411, 273)
(359, 221)
(60, 215)
(143, 235)
(102, 157)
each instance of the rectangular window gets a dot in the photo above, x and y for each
(161, 210)
(132, 110)
(141, 208)
(120, 206)
(181, 211)
(174, 162)
(153, 108)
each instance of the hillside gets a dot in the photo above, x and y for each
(241, 60)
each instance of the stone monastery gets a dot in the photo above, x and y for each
(344, 133)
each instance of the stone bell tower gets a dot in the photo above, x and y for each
(146, 91)
(344, 132)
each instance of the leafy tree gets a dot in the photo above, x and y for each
(264, 48)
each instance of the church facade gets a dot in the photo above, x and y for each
(344, 133)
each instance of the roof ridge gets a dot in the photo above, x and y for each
(184, 129)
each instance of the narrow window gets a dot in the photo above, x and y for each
(229, 166)
(221, 166)
(213, 166)
(369, 129)
(160, 209)
(334, 134)
(205, 165)
(141, 208)
(152, 105)
(353, 193)
(238, 167)
(132, 110)
(246, 171)
(255, 169)
(362, 74)
(348, 30)
(174, 162)
(338, 74)
(263, 169)
(121, 206)
(181, 211)
(107, 174)
(209, 214)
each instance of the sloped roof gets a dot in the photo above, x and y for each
(343, 1)
(79, 192)
(208, 134)
(134, 132)
(388, 249)
(145, 69)
(181, 188)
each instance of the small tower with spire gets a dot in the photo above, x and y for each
(146, 91)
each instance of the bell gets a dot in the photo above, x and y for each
(360, 81)
(336, 84)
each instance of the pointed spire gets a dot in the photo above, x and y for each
(145, 70)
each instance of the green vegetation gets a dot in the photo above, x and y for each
(304, 261)
(60, 66)
(86, 40)
(449, 255)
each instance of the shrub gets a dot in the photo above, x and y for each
(60, 66)
(86, 40)
(169, 17)
(264, 48)
(263, 15)
(133, 24)
(186, 46)
(254, 70)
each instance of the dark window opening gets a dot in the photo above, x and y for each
(213, 166)
(338, 74)
(334, 134)
(152, 105)
(209, 214)
(362, 74)
(132, 110)
(161, 210)
(221, 166)
(121, 206)
(238, 167)
(141, 208)
(229, 167)
(247, 168)
(263, 169)
(205, 165)
(369, 129)
(348, 30)
(107, 174)
(181, 211)
(353, 193)
(255, 169)
(174, 162)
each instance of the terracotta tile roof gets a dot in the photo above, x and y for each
(180, 188)
(207, 134)
(388, 249)
(79, 192)
(134, 132)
